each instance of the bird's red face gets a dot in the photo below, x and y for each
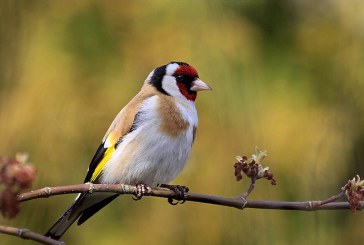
(178, 79)
(185, 75)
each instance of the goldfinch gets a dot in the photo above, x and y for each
(148, 142)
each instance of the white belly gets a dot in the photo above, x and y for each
(148, 156)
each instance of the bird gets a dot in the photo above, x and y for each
(147, 144)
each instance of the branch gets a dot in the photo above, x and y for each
(236, 202)
(353, 190)
(28, 235)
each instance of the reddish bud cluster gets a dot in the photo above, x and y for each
(355, 193)
(15, 175)
(242, 166)
(269, 176)
(252, 169)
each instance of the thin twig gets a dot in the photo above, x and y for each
(251, 187)
(28, 235)
(236, 202)
(333, 198)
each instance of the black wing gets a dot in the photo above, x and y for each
(99, 155)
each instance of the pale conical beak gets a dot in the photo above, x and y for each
(198, 85)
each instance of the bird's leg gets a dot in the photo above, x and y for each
(142, 190)
(180, 193)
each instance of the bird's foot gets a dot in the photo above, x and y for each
(142, 190)
(180, 193)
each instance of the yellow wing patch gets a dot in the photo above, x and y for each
(110, 145)
(101, 165)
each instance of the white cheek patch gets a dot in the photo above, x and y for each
(170, 86)
(169, 83)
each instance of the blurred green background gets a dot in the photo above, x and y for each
(286, 76)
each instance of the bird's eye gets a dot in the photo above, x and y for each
(180, 78)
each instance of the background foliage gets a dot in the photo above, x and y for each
(287, 76)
